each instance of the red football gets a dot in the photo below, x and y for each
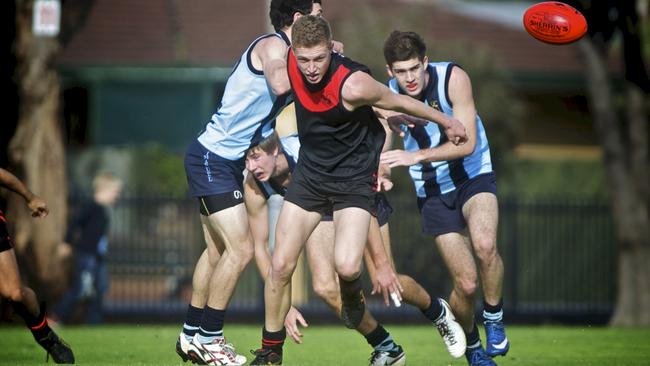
(555, 22)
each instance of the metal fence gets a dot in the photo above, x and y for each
(559, 257)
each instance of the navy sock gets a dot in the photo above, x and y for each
(380, 340)
(434, 311)
(493, 313)
(274, 340)
(192, 321)
(473, 338)
(211, 325)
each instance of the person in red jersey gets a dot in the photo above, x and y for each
(341, 140)
(22, 298)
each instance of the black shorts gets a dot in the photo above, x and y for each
(382, 209)
(444, 213)
(325, 197)
(5, 239)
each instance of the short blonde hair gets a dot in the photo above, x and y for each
(310, 31)
(106, 180)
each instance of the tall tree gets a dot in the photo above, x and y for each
(620, 116)
(36, 151)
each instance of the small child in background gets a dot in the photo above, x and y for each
(87, 237)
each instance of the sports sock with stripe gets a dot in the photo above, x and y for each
(493, 313)
(380, 339)
(192, 321)
(211, 325)
(37, 324)
(274, 340)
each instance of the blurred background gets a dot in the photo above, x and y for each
(124, 86)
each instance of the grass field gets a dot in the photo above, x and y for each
(335, 345)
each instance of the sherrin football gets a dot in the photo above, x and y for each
(555, 22)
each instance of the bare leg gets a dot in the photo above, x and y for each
(230, 226)
(482, 215)
(294, 226)
(456, 252)
(320, 254)
(11, 286)
(205, 267)
(351, 227)
(25, 303)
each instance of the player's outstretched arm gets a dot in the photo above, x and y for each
(258, 220)
(36, 205)
(394, 122)
(385, 279)
(270, 55)
(361, 89)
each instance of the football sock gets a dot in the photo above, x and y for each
(37, 324)
(473, 338)
(434, 311)
(493, 313)
(211, 325)
(380, 340)
(274, 340)
(350, 289)
(192, 321)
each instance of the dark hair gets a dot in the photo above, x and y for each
(310, 31)
(402, 46)
(282, 11)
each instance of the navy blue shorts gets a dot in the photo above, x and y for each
(209, 174)
(444, 213)
(5, 239)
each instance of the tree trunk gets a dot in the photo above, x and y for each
(36, 150)
(626, 165)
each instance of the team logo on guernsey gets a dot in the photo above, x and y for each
(435, 105)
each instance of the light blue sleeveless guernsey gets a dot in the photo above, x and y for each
(247, 112)
(440, 177)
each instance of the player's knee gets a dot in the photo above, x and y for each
(16, 294)
(348, 270)
(486, 250)
(467, 286)
(241, 256)
(246, 253)
(326, 290)
(281, 271)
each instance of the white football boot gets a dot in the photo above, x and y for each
(216, 353)
(451, 331)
